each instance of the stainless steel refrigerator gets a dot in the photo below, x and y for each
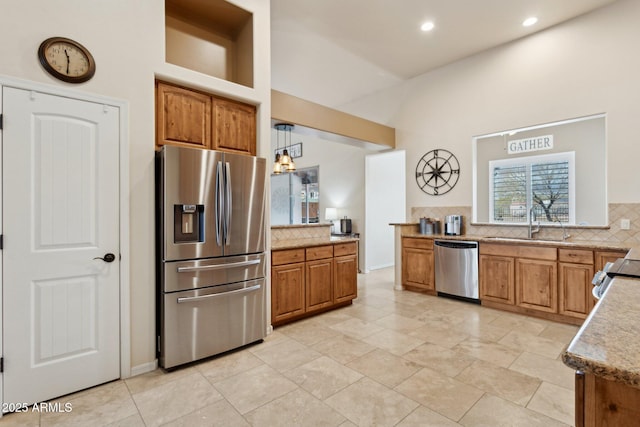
(210, 253)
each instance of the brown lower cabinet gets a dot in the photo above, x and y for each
(287, 284)
(574, 289)
(603, 257)
(497, 279)
(519, 277)
(536, 284)
(319, 278)
(543, 281)
(601, 402)
(345, 278)
(305, 281)
(548, 282)
(418, 264)
(575, 272)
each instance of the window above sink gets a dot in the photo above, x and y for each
(541, 186)
(564, 179)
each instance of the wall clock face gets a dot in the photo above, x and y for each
(66, 60)
(437, 172)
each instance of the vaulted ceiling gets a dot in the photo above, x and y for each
(335, 51)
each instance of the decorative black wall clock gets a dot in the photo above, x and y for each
(437, 172)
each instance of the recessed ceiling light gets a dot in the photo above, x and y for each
(529, 21)
(427, 26)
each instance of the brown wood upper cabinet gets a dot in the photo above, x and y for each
(183, 117)
(190, 118)
(234, 127)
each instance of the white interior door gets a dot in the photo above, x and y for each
(60, 216)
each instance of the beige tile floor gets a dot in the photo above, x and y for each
(393, 358)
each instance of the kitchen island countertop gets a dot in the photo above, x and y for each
(607, 344)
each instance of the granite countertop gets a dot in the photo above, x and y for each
(588, 244)
(607, 344)
(305, 243)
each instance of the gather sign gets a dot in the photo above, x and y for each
(536, 143)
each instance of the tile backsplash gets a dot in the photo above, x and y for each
(289, 232)
(617, 211)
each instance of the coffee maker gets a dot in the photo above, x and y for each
(345, 226)
(453, 225)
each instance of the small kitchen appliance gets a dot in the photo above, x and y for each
(453, 225)
(345, 226)
(429, 226)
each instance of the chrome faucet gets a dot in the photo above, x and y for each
(565, 235)
(531, 230)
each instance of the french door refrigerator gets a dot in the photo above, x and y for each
(210, 253)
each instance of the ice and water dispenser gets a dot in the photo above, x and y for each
(188, 223)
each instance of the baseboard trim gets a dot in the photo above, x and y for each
(380, 267)
(144, 368)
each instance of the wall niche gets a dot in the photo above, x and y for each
(212, 37)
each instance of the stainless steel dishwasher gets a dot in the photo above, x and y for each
(457, 269)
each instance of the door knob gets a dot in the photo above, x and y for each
(107, 257)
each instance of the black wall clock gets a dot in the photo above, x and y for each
(437, 172)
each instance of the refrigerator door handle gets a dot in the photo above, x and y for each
(218, 266)
(219, 208)
(228, 205)
(221, 294)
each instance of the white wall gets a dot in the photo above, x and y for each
(585, 66)
(126, 39)
(385, 204)
(341, 176)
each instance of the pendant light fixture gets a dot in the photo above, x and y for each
(291, 166)
(277, 167)
(284, 162)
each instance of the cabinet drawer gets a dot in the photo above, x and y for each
(319, 252)
(288, 256)
(412, 242)
(578, 256)
(340, 249)
(519, 251)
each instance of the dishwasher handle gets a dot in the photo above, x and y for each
(456, 245)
